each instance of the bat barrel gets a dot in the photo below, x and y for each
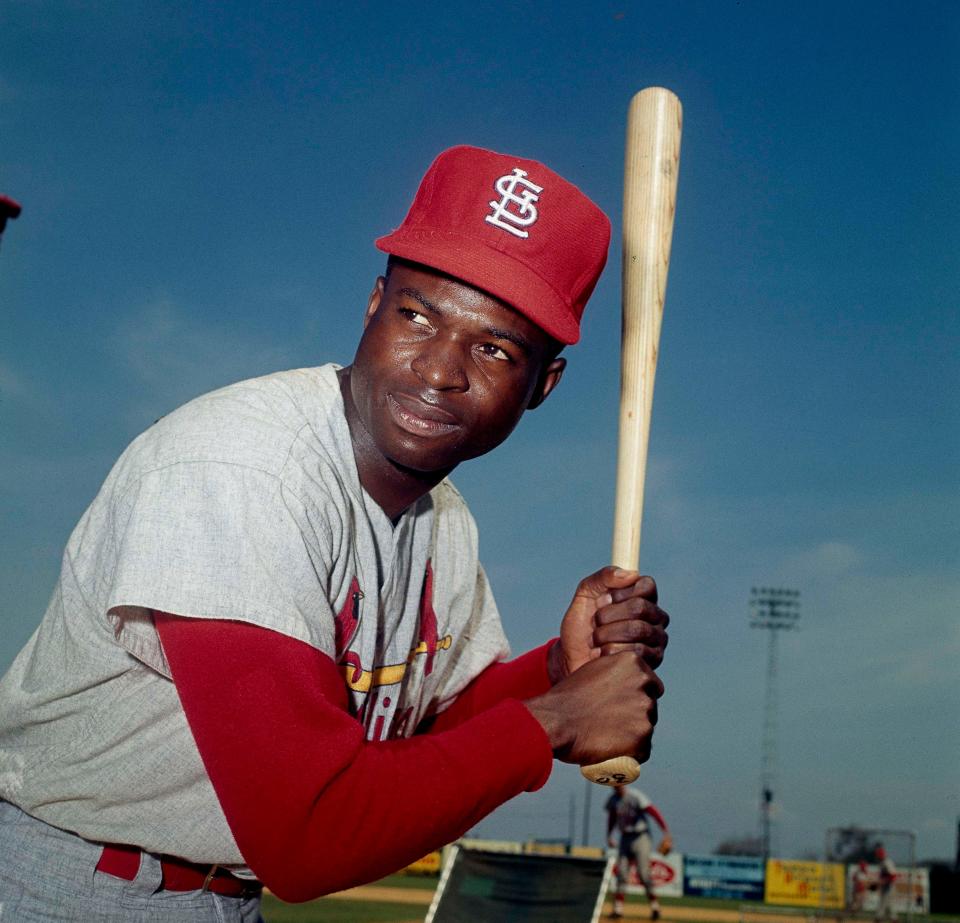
(649, 201)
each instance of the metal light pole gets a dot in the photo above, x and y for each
(586, 813)
(775, 610)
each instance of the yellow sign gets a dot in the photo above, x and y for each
(428, 865)
(587, 852)
(545, 849)
(804, 884)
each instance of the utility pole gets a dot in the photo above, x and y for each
(571, 829)
(956, 864)
(774, 610)
(586, 813)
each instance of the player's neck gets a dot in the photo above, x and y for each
(393, 487)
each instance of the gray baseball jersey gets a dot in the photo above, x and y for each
(630, 810)
(244, 504)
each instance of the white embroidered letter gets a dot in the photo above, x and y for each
(525, 214)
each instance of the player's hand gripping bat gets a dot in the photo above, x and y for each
(649, 200)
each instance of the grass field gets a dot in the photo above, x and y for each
(348, 910)
(405, 899)
(338, 910)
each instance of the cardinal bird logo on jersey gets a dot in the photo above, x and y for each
(429, 642)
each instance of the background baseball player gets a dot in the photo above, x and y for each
(628, 810)
(886, 876)
(273, 655)
(859, 885)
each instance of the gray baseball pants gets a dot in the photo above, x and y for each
(49, 875)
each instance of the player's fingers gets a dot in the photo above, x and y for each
(605, 581)
(651, 655)
(644, 586)
(630, 631)
(649, 641)
(648, 682)
(633, 608)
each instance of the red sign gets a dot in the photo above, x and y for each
(661, 873)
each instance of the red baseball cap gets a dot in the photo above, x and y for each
(511, 227)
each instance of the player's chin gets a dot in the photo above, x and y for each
(426, 454)
(437, 452)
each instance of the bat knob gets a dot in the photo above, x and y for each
(619, 770)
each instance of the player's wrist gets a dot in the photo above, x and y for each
(556, 664)
(552, 722)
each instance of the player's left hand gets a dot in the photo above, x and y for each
(612, 610)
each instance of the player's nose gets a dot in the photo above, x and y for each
(440, 364)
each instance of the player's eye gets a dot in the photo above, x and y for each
(415, 317)
(496, 352)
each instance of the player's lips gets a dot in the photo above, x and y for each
(420, 417)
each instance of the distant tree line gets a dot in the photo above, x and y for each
(740, 846)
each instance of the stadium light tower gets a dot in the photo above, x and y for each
(775, 610)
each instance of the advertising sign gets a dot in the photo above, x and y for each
(667, 874)
(428, 865)
(910, 892)
(734, 877)
(804, 884)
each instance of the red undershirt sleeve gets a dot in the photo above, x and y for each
(657, 816)
(522, 678)
(313, 806)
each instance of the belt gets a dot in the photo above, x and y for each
(178, 874)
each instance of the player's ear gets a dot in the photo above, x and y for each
(373, 302)
(548, 380)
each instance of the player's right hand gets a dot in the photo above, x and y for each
(612, 610)
(606, 708)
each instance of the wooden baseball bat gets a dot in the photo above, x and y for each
(652, 162)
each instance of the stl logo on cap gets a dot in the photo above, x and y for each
(546, 264)
(526, 214)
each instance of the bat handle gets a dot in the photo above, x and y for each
(618, 770)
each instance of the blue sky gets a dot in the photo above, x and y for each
(201, 187)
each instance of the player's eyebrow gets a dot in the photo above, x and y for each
(517, 341)
(419, 297)
(495, 332)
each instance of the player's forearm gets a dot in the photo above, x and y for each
(399, 800)
(524, 677)
(316, 808)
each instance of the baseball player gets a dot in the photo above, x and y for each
(860, 884)
(627, 812)
(272, 656)
(886, 876)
